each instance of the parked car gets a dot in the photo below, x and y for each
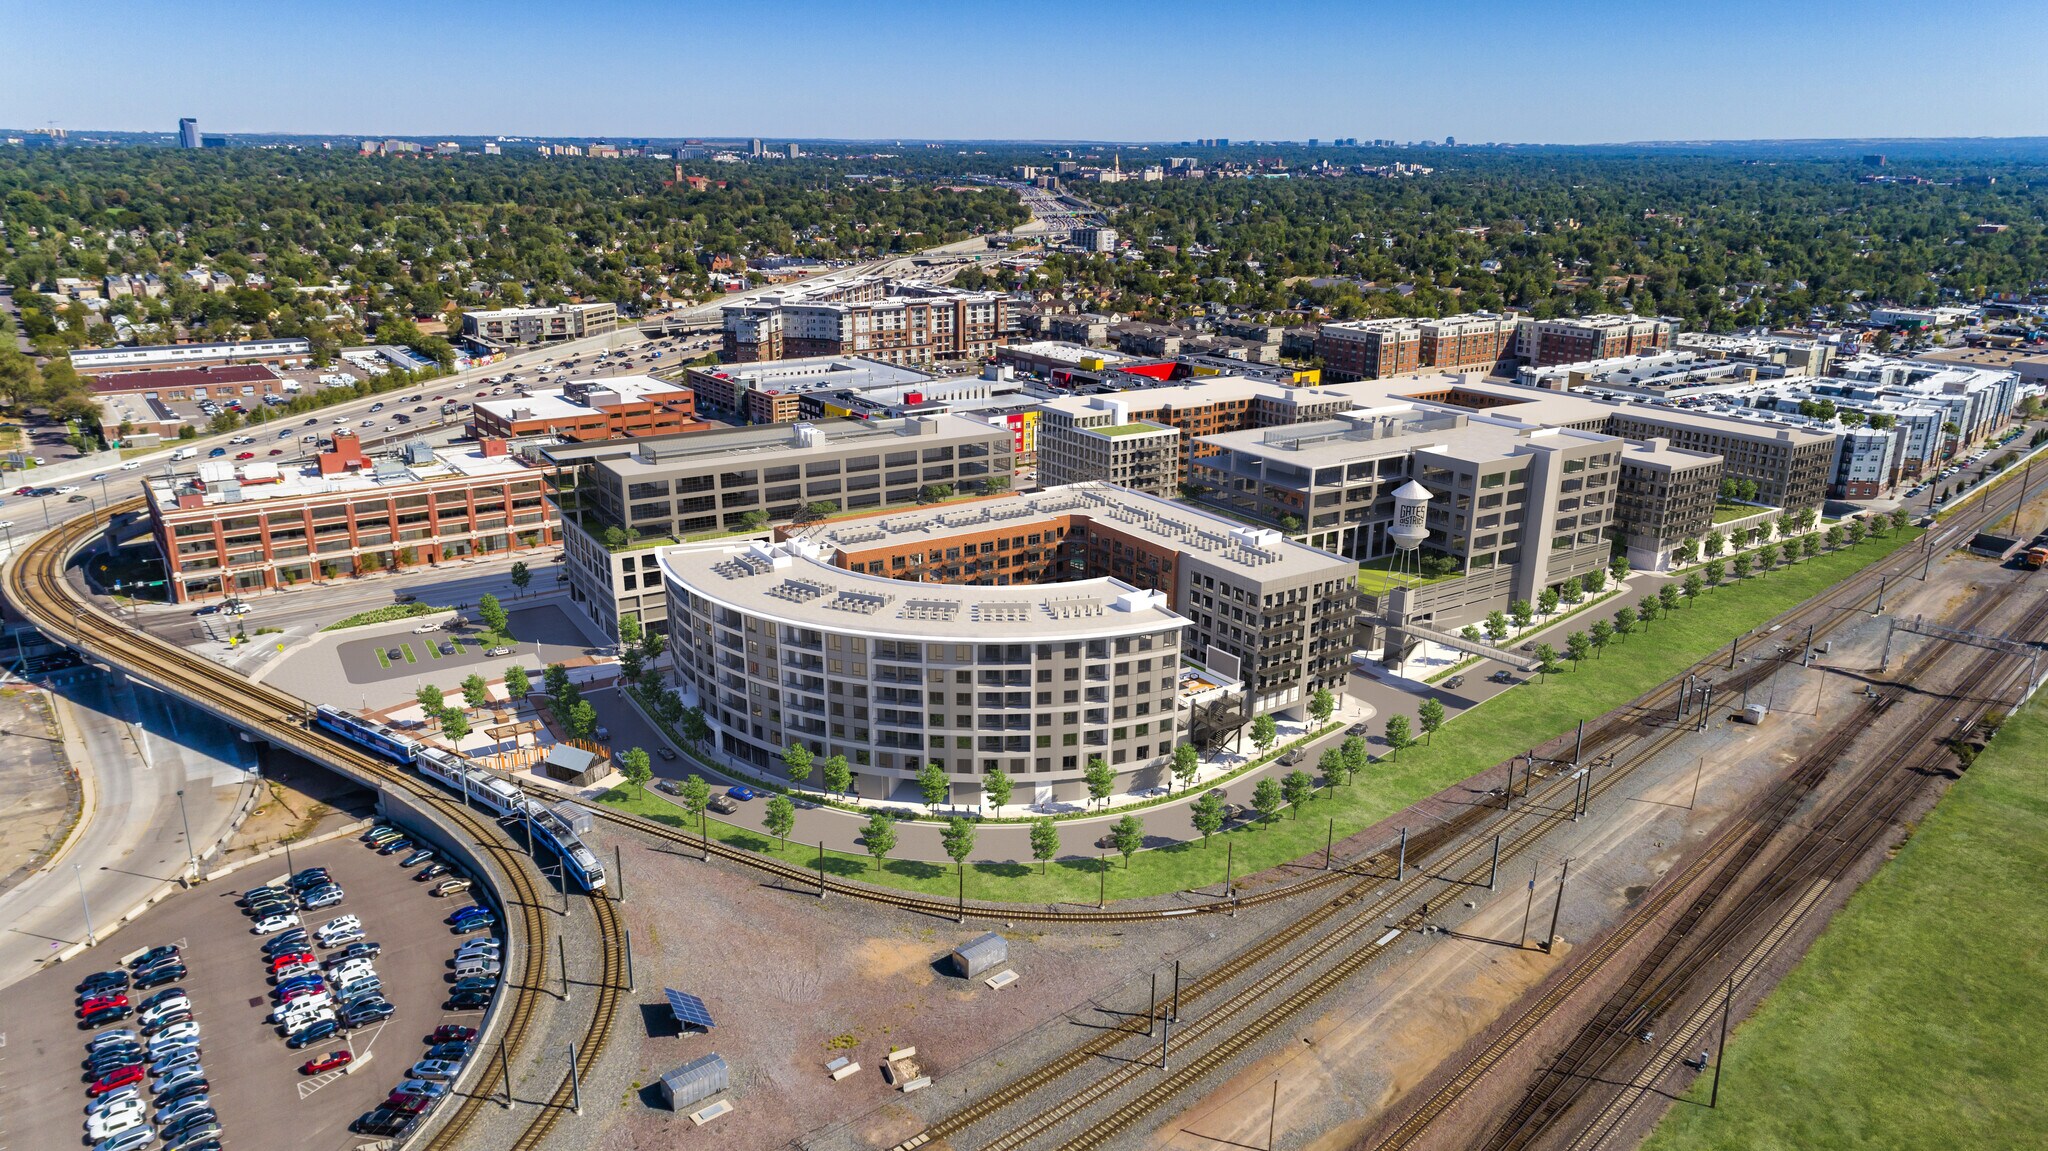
(420, 856)
(469, 1001)
(114, 1081)
(498, 651)
(275, 924)
(101, 983)
(435, 1069)
(158, 976)
(327, 1062)
(101, 1003)
(395, 846)
(313, 1033)
(1359, 729)
(353, 951)
(133, 1139)
(431, 871)
(1454, 683)
(1502, 676)
(323, 897)
(153, 956)
(104, 1016)
(383, 1122)
(724, 805)
(123, 1116)
(451, 887)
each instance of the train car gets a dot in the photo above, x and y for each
(390, 744)
(444, 768)
(501, 797)
(580, 862)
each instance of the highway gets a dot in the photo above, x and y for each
(139, 749)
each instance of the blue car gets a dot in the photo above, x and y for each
(742, 793)
(470, 912)
(216, 453)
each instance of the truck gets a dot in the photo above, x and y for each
(184, 454)
(2036, 557)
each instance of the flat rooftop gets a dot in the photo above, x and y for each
(1168, 524)
(1393, 430)
(225, 481)
(554, 403)
(814, 373)
(658, 454)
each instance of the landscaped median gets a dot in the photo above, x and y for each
(1916, 1019)
(389, 613)
(1509, 724)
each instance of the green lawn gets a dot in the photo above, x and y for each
(1377, 576)
(1723, 513)
(1476, 740)
(1916, 1020)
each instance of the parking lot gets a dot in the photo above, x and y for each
(546, 635)
(262, 1099)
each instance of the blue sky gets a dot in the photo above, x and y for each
(1539, 71)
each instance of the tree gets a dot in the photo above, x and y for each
(1187, 764)
(1430, 716)
(933, 784)
(995, 790)
(696, 728)
(879, 837)
(554, 679)
(1207, 814)
(1767, 557)
(476, 692)
(1547, 661)
(1856, 532)
(517, 684)
(638, 768)
(1266, 798)
(1835, 535)
(779, 817)
(1578, 646)
(1742, 566)
(489, 610)
(1717, 570)
(1471, 633)
(1688, 550)
(1126, 835)
(1398, 733)
(1321, 704)
(521, 576)
(838, 775)
(1594, 582)
(1617, 568)
(1716, 544)
(1625, 621)
(933, 493)
(1357, 756)
(1901, 520)
(1496, 627)
(581, 720)
(1045, 841)
(1265, 732)
(696, 798)
(1520, 612)
(1546, 601)
(1572, 591)
(958, 840)
(454, 726)
(1668, 596)
(1647, 611)
(431, 701)
(1600, 634)
(1331, 764)
(1100, 779)
(816, 510)
(1297, 787)
(797, 760)
(1694, 585)
(1809, 545)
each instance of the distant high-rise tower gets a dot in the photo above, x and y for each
(188, 133)
(792, 152)
(754, 148)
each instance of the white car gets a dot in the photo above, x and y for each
(340, 923)
(275, 924)
(425, 628)
(343, 938)
(67, 490)
(351, 971)
(122, 1116)
(243, 440)
(113, 1099)
(131, 465)
(489, 948)
(164, 1010)
(299, 1012)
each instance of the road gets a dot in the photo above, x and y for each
(139, 748)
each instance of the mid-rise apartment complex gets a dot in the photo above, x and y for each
(1599, 337)
(616, 407)
(517, 327)
(1026, 633)
(773, 391)
(238, 527)
(898, 323)
(281, 351)
(1370, 349)
(624, 497)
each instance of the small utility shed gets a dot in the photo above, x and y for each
(695, 1081)
(574, 765)
(981, 953)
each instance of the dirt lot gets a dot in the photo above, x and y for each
(41, 788)
(263, 1100)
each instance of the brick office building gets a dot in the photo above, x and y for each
(619, 407)
(908, 324)
(251, 526)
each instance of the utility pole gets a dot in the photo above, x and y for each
(1731, 652)
(1529, 907)
(1493, 872)
(1721, 1048)
(1165, 1029)
(575, 1083)
(618, 873)
(1174, 1014)
(821, 869)
(1697, 772)
(1579, 743)
(1401, 865)
(1273, 1115)
(1881, 577)
(1228, 848)
(1329, 841)
(629, 961)
(562, 957)
(191, 854)
(1152, 1007)
(1102, 892)
(505, 1066)
(1558, 908)
(91, 939)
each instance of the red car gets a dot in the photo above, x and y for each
(115, 1080)
(327, 1062)
(277, 451)
(451, 1033)
(29, 491)
(101, 1004)
(246, 456)
(482, 394)
(288, 959)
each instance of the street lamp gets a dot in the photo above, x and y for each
(191, 856)
(91, 940)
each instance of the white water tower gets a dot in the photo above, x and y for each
(1411, 517)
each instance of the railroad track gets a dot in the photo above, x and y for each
(35, 584)
(1729, 853)
(1827, 846)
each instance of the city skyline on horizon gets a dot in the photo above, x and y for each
(1585, 74)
